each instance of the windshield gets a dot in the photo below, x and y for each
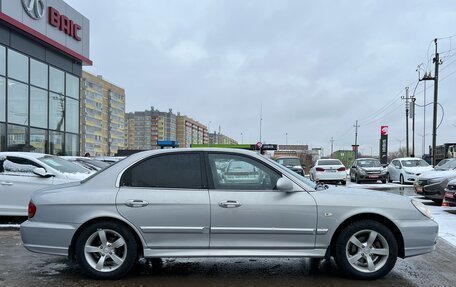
(299, 177)
(289, 161)
(329, 162)
(414, 163)
(62, 165)
(369, 163)
(450, 164)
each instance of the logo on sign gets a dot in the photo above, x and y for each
(34, 8)
(384, 130)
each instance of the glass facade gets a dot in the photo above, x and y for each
(39, 106)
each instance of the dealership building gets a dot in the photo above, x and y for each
(43, 46)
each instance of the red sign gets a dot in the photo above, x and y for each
(259, 145)
(384, 130)
(64, 24)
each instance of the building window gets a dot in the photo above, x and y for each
(17, 103)
(16, 139)
(71, 144)
(56, 80)
(38, 140)
(2, 99)
(2, 61)
(56, 111)
(17, 66)
(2, 137)
(38, 74)
(72, 86)
(72, 115)
(38, 107)
(55, 143)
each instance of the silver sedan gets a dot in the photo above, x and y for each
(176, 203)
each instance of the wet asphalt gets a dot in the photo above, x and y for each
(19, 267)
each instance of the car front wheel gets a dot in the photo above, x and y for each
(366, 250)
(106, 250)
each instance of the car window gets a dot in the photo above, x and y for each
(17, 165)
(450, 164)
(414, 163)
(369, 163)
(329, 162)
(235, 172)
(166, 171)
(62, 165)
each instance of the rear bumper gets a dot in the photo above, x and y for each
(420, 236)
(48, 238)
(331, 176)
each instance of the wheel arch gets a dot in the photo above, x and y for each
(369, 216)
(138, 239)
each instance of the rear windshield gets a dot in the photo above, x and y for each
(414, 163)
(329, 162)
(62, 165)
(289, 161)
(369, 163)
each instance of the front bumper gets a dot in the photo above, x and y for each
(420, 236)
(433, 191)
(372, 177)
(48, 238)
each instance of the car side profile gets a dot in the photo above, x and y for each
(21, 173)
(177, 203)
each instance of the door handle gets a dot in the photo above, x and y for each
(136, 203)
(6, 183)
(229, 204)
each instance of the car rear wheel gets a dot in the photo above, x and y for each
(388, 177)
(106, 250)
(366, 250)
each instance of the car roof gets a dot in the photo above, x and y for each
(407, 158)
(366, 158)
(34, 155)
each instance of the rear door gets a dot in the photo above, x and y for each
(166, 198)
(247, 212)
(17, 182)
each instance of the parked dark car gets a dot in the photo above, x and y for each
(367, 169)
(432, 184)
(293, 163)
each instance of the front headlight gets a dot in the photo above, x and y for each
(383, 171)
(408, 172)
(422, 208)
(362, 171)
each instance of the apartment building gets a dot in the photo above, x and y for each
(102, 116)
(190, 131)
(219, 138)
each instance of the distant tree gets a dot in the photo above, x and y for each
(402, 152)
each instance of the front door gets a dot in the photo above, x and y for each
(166, 198)
(247, 211)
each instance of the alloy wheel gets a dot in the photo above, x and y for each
(105, 250)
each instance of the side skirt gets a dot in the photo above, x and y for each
(313, 253)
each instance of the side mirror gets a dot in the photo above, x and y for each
(41, 172)
(284, 184)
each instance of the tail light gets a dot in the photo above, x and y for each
(320, 169)
(341, 169)
(31, 209)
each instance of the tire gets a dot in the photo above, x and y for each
(383, 180)
(375, 260)
(357, 179)
(401, 179)
(344, 182)
(388, 178)
(437, 201)
(99, 242)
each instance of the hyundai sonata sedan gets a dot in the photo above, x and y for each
(176, 203)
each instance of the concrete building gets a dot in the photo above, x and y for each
(219, 138)
(102, 116)
(190, 131)
(145, 128)
(41, 59)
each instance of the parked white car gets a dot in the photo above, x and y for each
(328, 170)
(21, 173)
(407, 169)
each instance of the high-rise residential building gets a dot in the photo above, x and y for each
(102, 116)
(145, 128)
(219, 138)
(190, 131)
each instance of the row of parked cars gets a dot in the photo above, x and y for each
(436, 183)
(21, 173)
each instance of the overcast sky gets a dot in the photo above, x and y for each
(315, 67)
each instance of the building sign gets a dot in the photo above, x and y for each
(51, 21)
(384, 144)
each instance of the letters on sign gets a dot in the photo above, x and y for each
(64, 24)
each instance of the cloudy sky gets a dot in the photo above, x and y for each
(315, 67)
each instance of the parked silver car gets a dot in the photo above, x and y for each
(175, 203)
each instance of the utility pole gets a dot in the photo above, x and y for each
(406, 119)
(261, 117)
(412, 115)
(332, 145)
(424, 119)
(427, 77)
(355, 147)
